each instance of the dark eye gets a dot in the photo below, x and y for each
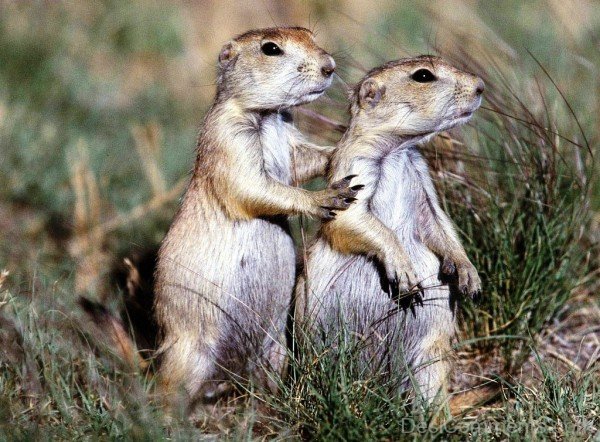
(270, 49)
(423, 76)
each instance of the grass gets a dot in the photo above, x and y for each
(98, 109)
(334, 402)
(63, 382)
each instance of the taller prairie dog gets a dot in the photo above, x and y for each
(396, 232)
(226, 268)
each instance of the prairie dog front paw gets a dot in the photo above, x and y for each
(469, 282)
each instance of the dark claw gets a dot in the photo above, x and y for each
(349, 200)
(327, 214)
(419, 288)
(418, 299)
(476, 297)
(342, 183)
(358, 187)
(385, 286)
(394, 288)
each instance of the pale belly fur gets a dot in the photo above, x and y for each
(345, 299)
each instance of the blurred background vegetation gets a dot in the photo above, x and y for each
(100, 104)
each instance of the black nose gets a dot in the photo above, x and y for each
(480, 87)
(328, 68)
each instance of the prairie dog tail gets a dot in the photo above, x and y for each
(114, 331)
(463, 402)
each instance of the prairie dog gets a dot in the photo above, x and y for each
(398, 221)
(226, 268)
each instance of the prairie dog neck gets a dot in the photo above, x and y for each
(263, 132)
(359, 151)
(232, 120)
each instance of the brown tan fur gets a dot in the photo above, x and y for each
(226, 268)
(397, 224)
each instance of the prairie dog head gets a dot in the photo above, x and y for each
(274, 68)
(415, 97)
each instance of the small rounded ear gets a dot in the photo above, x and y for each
(371, 92)
(227, 54)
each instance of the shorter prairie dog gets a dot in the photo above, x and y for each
(226, 268)
(398, 221)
